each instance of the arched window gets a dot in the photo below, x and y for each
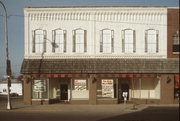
(151, 41)
(128, 41)
(79, 41)
(107, 41)
(59, 41)
(39, 41)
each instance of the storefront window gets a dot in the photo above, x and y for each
(176, 86)
(80, 89)
(106, 88)
(80, 85)
(146, 88)
(40, 89)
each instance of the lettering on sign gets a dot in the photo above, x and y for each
(40, 85)
(107, 88)
(80, 85)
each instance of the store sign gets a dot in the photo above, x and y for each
(39, 86)
(107, 88)
(80, 85)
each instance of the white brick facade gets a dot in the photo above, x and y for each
(93, 20)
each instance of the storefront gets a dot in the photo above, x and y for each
(97, 88)
(96, 84)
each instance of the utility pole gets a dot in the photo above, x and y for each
(8, 62)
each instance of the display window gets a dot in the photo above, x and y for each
(40, 89)
(80, 89)
(106, 88)
(176, 86)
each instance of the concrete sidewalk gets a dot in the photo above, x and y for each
(84, 108)
(18, 105)
(68, 107)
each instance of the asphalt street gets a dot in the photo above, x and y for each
(67, 112)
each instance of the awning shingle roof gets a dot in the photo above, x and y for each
(65, 66)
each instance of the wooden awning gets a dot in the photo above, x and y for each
(99, 66)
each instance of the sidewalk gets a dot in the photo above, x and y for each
(87, 108)
(18, 106)
(68, 107)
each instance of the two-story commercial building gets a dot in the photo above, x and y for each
(92, 55)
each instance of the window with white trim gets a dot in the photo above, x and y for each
(107, 41)
(59, 41)
(79, 41)
(128, 41)
(151, 41)
(39, 41)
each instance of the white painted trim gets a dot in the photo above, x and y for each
(94, 19)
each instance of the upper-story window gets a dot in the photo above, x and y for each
(176, 48)
(151, 41)
(107, 41)
(79, 41)
(59, 41)
(39, 41)
(128, 41)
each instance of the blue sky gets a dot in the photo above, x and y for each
(16, 22)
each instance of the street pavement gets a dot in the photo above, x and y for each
(69, 112)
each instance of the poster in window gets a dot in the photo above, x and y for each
(39, 85)
(107, 88)
(80, 85)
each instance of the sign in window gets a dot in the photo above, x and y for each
(107, 88)
(80, 85)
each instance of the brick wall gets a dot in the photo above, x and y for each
(173, 26)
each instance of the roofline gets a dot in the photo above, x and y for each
(173, 7)
(100, 7)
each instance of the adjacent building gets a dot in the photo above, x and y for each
(98, 55)
(173, 42)
(15, 90)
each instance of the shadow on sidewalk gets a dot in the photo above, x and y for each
(151, 113)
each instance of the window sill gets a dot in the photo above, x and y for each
(80, 99)
(106, 98)
(176, 53)
(146, 98)
(39, 99)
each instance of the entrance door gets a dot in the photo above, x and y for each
(125, 88)
(64, 91)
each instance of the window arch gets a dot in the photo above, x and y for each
(59, 41)
(107, 41)
(128, 41)
(79, 41)
(151, 41)
(39, 41)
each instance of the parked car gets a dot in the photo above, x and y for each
(13, 94)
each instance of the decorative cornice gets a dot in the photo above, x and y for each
(96, 56)
(97, 14)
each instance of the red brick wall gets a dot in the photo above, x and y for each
(173, 26)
